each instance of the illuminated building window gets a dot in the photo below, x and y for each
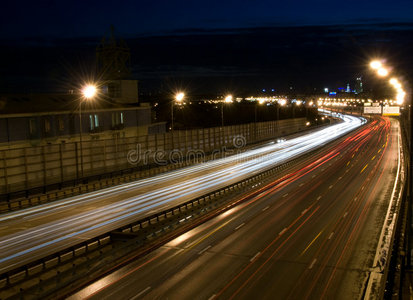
(91, 123)
(117, 119)
(96, 121)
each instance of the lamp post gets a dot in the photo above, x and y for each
(400, 97)
(228, 99)
(178, 98)
(88, 93)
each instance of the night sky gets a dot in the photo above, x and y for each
(205, 45)
(87, 18)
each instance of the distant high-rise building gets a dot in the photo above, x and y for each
(359, 85)
(348, 88)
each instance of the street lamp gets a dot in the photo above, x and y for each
(89, 91)
(382, 72)
(375, 64)
(178, 98)
(228, 99)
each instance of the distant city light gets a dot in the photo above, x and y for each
(282, 102)
(89, 91)
(325, 90)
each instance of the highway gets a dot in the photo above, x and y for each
(311, 236)
(35, 232)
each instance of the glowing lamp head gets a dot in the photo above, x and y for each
(394, 81)
(382, 72)
(179, 97)
(89, 91)
(400, 97)
(375, 64)
(228, 99)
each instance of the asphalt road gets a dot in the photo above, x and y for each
(33, 233)
(312, 236)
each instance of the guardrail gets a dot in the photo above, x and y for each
(376, 282)
(55, 272)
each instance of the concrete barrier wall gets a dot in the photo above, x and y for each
(32, 167)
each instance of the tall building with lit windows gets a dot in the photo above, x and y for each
(359, 86)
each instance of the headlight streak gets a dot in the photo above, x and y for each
(123, 212)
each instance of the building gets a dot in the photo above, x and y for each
(359, 86)
(51, 118)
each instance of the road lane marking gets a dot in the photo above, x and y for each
(345, 214)
(208, 235)
(255, 256)
(330, 187)
(265, 208)
(282, 231)
(239, 226)
(364, 168)
(348, 163)
(319, 197)
(330, 236)
(285, 195)
(141, 293)
(309, 245)
(340, 178)
(301, 184)
(304, 211)
(212, 297)
(379, 151)
(373, 157)
(313, 176)
(205, 249)
(312, 264)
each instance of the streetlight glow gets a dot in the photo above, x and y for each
(382, 72)
(179, 97)
(228, 99)
(89, 91)
(394, 81)
(375, 64)
(283, 102)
